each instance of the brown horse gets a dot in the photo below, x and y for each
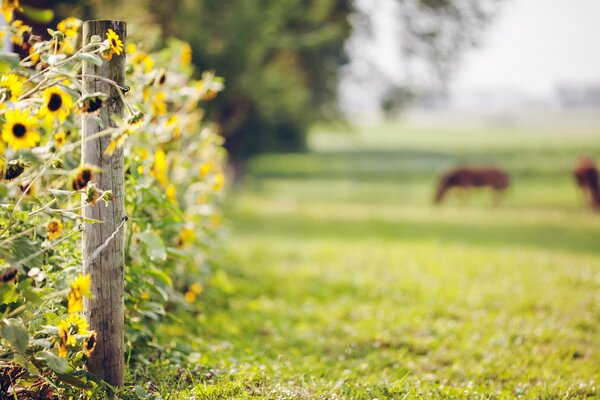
(586, 176)
(473, 177)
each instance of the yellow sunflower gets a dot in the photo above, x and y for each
(116, 45)
(60, 139)
(160, 167)
(158, 105)
(11, 86)
(67, 329)
(171, 193)
(80, 288)
(81, 177)
(74, 324)
(186, 236)
(57, 104)
(186, 54)
(8, 6)
(69, 26)
(54, 229)
(22, 34)
(19, 130)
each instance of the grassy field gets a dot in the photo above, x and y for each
(344, 282)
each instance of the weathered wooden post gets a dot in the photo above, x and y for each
(105, 310)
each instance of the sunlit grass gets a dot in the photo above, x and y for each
(344, 281)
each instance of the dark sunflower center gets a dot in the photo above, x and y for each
(91, 342)
(19, 130)
(55, 102)
(86, 175)
(94, 104)
(114, 42)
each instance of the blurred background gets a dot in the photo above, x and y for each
(342, 118)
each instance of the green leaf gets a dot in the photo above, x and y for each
(9, 294)
(24, 247)
(39, 15)
(155, 248)
(15, 333)
(42, 343)
(52, 361)
(140, 392)
(22, 215)
(60, 194)
(25, 363)
(160, 275)
(91, 58)
(9, 60)
(73, 381)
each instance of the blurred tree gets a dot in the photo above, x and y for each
(439, 32)
(281, 58)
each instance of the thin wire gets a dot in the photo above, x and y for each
(108, 240)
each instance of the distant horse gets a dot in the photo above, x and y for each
(472, 177)
(586, 176)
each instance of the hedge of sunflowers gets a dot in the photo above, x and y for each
(174, 184)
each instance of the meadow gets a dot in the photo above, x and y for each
(343, 281)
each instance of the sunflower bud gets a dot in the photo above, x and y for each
(92, 193)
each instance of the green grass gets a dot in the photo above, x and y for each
(342, 281)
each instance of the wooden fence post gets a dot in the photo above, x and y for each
(105, 310)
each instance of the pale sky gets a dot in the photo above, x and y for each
(535, 44)
(530, 48)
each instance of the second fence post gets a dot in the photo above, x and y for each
(105, 310)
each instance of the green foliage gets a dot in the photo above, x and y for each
(280, 59)
(173, 188)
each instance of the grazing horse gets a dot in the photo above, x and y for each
(586, 176)
(472, 177)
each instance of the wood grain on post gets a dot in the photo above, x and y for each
(105, 310)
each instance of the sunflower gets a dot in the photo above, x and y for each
(186, 236)
(158, 105)
(116, 45)
(196, 288)
(19, 130)
(219, 182)
(69, 26)
(60, 139)
(54, 229)
(142, 58)
(80, 288)
(189, 296)
(11, 86)
(160, 167)
(186, 54)
(8, 6)
(89, 344)
(204, 169)
(91, 104)
(171, 193)
(22, 34)
(57, 104)
(74, 324)
(9, 275)
(173, 123)
(83, 175)
(67, 329)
